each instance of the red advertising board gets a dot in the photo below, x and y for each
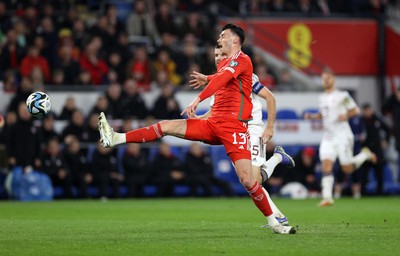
(392, 52)
(349, 47)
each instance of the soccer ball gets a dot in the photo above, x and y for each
(38, 104)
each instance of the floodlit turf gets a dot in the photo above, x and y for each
(369, 226)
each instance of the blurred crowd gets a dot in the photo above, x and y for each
(151, 46)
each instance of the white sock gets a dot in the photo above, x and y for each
(359, 159)
(269, 166)
(119, 138)
(275, 210)
(272, 221)
(327, 186)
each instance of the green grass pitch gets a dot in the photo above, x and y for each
(369, 226)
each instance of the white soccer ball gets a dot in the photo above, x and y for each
(38, 104)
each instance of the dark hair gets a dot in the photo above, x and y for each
(328, 70)
(236, 30)
(366, 106)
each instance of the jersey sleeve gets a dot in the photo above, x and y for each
(348, 101)
(257, 86)
(237, 66)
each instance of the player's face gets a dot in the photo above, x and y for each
(328, 80)
(219, 56)
(225, 41)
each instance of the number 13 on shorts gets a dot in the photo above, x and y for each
(241, 138)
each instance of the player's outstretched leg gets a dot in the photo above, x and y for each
(287, 160)
(106, 132)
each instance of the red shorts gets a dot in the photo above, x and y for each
(216, 131)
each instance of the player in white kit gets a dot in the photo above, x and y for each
(259, 134)
(336, 108)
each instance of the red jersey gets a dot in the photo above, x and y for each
(232, 86)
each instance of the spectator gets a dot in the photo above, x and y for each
(164, 20)
(68, 109)
(264, 77)
(112, 19)
(10, 82)
(77, 166)
(48, 131)
(161, 80)
(168, 171)
(68, 65)
(190, 55)
(105, 171)
(114, 97)
(115, 64)
(8, 121)
(75, 126)
(392, 105)
(5, 19)
(54, 166)
(135, 165)
(37, 78)
(165, 63)
(79, 33)
(85, 78)
(374, 127)
(22, 35)
(133, 103)
(23, 92)
(70, 18)
(65, 40)
(305, 6)
(32, 60)
(285, 80)
(23, 141)
(47, 31)
(279, 6)
(124, 50)
(101, 30)
(140, 69)
(166, 106)
(90, 61)
(91, 133)
(305, 170)
(101, 106)
(141, 23)
(58, 77)
(30, 19)
(194, 25)
(12, 53)
(200, 172)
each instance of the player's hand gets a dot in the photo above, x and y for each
(343, 117)
(267, 134)
(198, 80)
(191, 109)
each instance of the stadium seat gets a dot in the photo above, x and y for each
(264, 114)
(286, 114)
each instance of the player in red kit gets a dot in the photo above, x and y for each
(232, 86)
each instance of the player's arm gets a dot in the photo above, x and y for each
(350, 113)
(205, 115)
(218, 81)
(199, 79)
(271, 107)
(351, 106)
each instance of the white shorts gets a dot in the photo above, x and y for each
(339, 147)
(258, 148)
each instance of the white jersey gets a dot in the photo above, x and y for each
(331, 106)
(257, 106)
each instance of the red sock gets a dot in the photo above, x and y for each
(259, 199)
(146, 134)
